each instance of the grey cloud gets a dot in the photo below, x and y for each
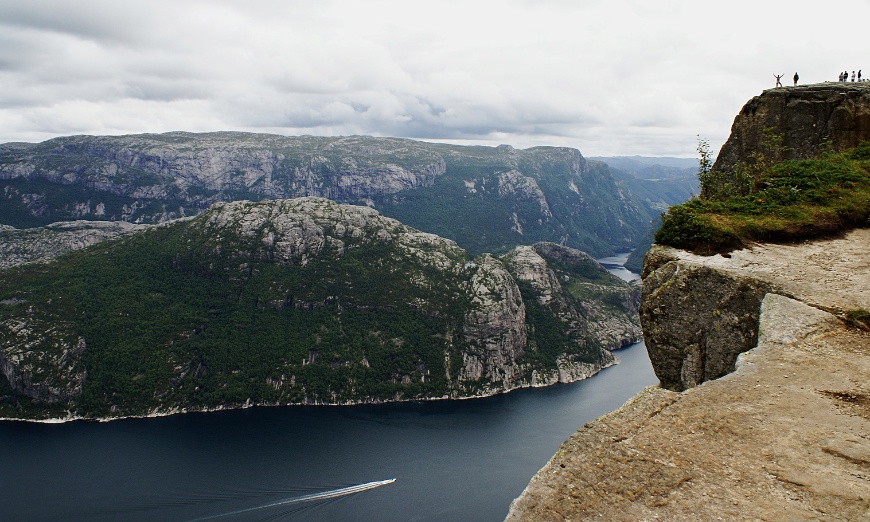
(106, 21)
(596, 75)
(402, 115)
(160, 89)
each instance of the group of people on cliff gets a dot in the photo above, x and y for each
(779, 77)
(844, 76)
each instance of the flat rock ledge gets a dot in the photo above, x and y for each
(785, 436)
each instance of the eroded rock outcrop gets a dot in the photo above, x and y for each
(808, 119)
(699, 313)
(42, 360)
(763, 412)
(495, 338)
(696, 320)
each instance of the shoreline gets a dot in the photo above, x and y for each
(249, 404)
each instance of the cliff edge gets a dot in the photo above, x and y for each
(809, 120)
(782, 434)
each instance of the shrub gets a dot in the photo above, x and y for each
(786, 201)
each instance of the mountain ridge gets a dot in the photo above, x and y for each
(499, 196)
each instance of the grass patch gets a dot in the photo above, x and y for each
(858, 318)
(788, 201)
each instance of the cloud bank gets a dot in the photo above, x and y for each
(606, 77)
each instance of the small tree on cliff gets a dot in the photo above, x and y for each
(705, 169)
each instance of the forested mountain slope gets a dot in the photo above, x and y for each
(297, 301)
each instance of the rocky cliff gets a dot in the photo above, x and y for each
(18, 246)
(783, 433)
(488, 199)
(798, 122)
(763, 353)
(297, 302)
(725, 295)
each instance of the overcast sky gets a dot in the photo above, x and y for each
(607, 77)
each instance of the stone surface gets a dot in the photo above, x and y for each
(494, 337)
(785, 436)
(697, 321)
(699, 312)
(19, 246)
(828, 273)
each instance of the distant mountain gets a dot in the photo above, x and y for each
(487, 199)
(661, 182)
(667, 166)
(298, 301)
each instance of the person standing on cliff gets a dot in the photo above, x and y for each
(853, 76)
(778, 77)
(859, 75)
(796, 78)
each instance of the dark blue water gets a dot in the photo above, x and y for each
(452, 460)
(615, 265)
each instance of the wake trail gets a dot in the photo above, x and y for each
(325, 495)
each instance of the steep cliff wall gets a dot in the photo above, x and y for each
(809, 119)
(487, 199)
(763, 353)
(784, 434)
(699, 313)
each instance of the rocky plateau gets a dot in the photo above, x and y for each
(783, 435)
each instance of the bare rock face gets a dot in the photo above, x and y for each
(696, 320)
(782, 436)
(495, 328)
(537, 194)
(271, 165)
(808, 118)
(514, 184)
(41, 360)
(19, 246)
(699, 312)
(530, 267)
(608, 319)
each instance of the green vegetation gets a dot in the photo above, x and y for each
(167, 323)
(198, 314)
(859, 318)
(784, 201)
(471, 205)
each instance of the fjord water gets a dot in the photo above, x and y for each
(452, 460)
(615, 264)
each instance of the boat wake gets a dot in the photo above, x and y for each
(313, 497)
